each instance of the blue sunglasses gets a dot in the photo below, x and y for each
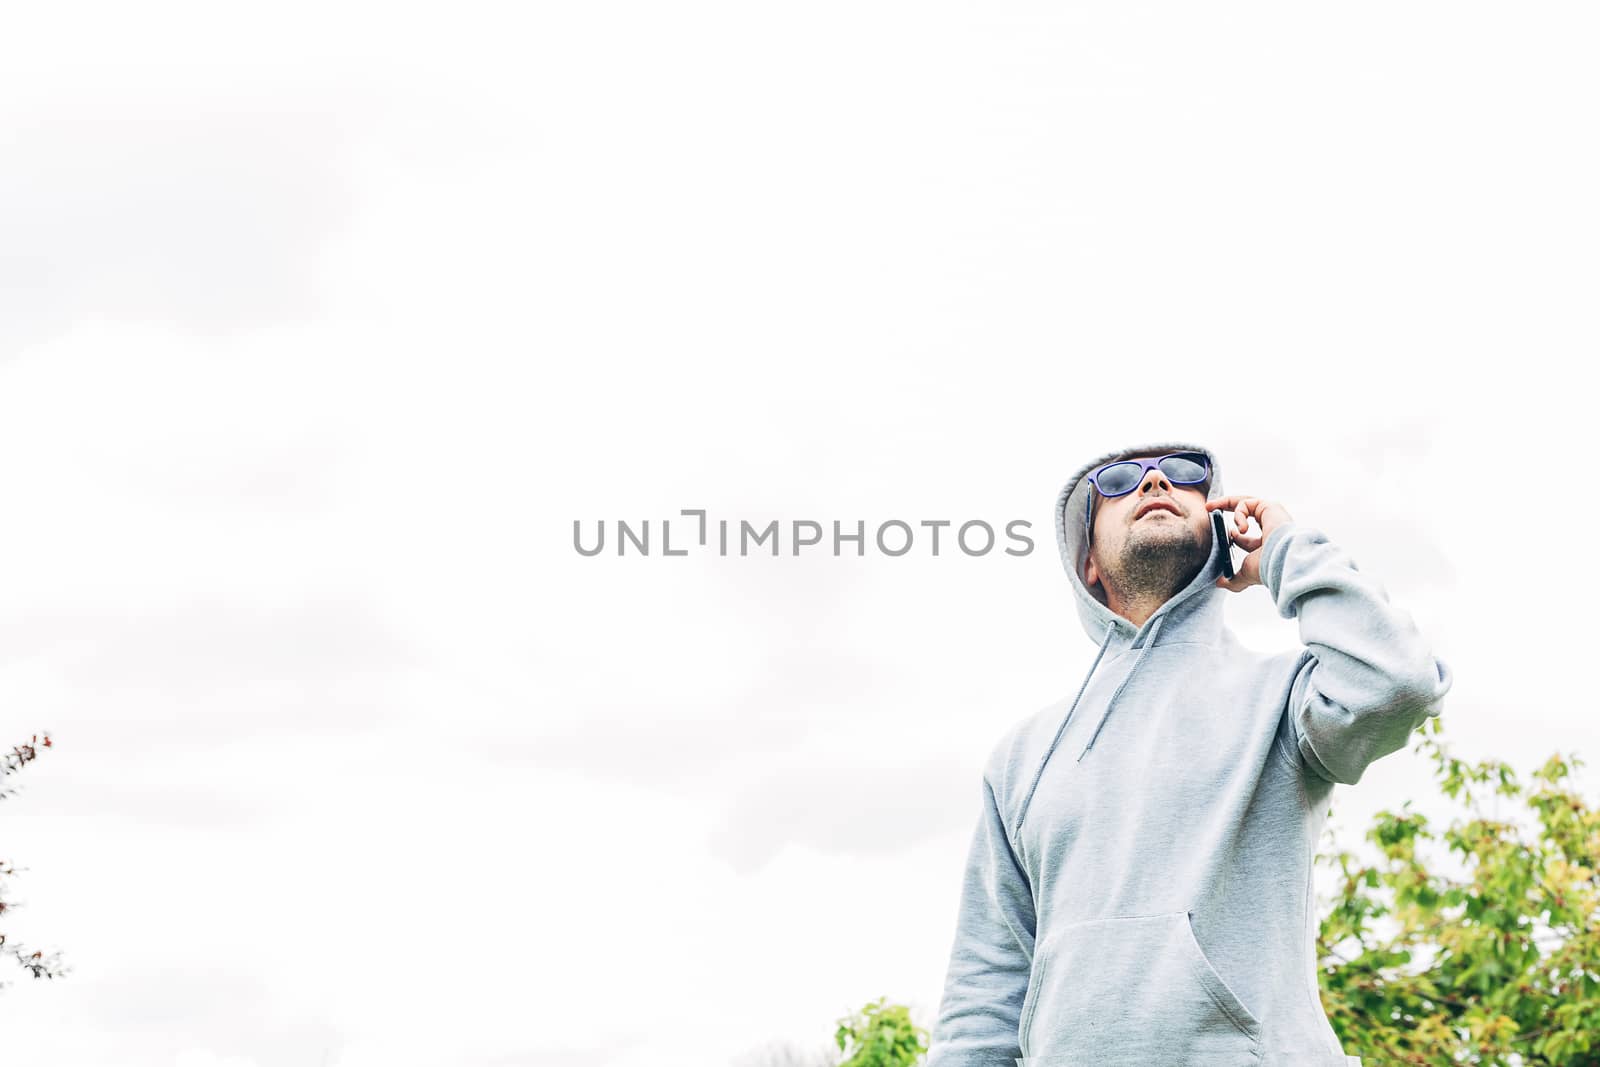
(1124, 476)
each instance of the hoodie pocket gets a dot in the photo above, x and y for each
(1130, 991)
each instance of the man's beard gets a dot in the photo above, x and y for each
(1154, 568)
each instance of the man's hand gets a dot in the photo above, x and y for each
(1268, 515)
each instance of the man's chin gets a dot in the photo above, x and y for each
(1171, 530)
(1158, 537)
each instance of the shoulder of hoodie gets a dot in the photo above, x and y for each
(1014, 755)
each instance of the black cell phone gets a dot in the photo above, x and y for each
(1219, 525)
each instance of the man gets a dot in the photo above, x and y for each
(1138, 889)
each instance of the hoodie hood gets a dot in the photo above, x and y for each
(1097, 618)
(1192, 615)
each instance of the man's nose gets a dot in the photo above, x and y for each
(1155, 479)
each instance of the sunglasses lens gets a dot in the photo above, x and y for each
(1119, 478)
(1185, 469)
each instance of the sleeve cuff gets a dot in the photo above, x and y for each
(1274, 553)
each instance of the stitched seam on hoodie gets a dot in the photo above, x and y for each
(1291, 765)
(1293, 759)
(1309, 983)
(1300, 790)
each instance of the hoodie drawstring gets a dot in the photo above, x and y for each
(1148, 641)
(1110, 631)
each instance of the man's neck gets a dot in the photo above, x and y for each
(1136, 609)
(1137, 605)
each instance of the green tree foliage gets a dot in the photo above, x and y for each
(881, 1035)
(1496, 963)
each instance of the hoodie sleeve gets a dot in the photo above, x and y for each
(987, 979)
(1367, 677)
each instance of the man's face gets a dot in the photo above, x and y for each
(1155, 519)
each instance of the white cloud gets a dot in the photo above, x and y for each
(197, 1057)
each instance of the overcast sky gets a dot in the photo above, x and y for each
(323, 322)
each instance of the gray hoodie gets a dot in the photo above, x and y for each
(1138, 889)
